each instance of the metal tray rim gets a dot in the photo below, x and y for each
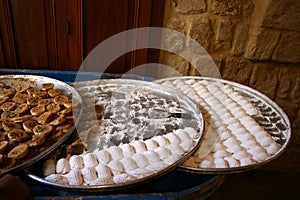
(253, 92)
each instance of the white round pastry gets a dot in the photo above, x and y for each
(116, 167)
(62, 166)
(141, 160)
(103, 171)
(232, 162)
(129, 164)
(272, 148)
(103, 181)
(220, 163)
(187, 144)
(157, 166)
(90, 160)
(103, 156)
(75, 177)
(140, 172)
(151, 144)
(89, 174)
(57, 178)
(161, 140)
(163, 152)
(221, 154)
(123, 178)
(152, 157)
(76, 162)
(173, 138)
(139, 146)
(115, 152)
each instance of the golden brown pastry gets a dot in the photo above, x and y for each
(61, 99)
(44, 118)
(33, 101)
(17, 135)
(9, 115)
(37, 110)
(9, 125)
(23, 88)
(44, 102)
(2, 136)
(8, 106)
(22, 118)
(18, 152)
(58, 121)
(2, 85)
(20, 97)
(37, 140)
(29, 125)
(22, 108)
(47, 86)
(53, 107)
(42, 129)
(54, 92)
(4, 146)
(3, 100)
(7, 92)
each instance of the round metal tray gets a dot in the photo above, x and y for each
(271, 117)
(94, 89)
(37, 81)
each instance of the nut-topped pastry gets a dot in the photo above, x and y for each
(29, 119)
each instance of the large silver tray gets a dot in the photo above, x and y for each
(37, 81)
(271, 117)
(95, 87)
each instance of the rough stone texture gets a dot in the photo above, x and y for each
(295, 93)
(201, 31)
(173, 41)
(290, 110)
(248, 8)
(176, 24)
(224, 34)
(190, 6)
(288, 83)
(288, 48)
(264, 79)
(240, 40)
(178, 66)
(283, 14)
(261, 44)
(284, 83)
(237, 70)
(205, 66)
(226, 7)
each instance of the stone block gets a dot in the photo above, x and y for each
(176, 24)
(201, 30)
(283, 14)
(190, 6)
(248, 8)
(224, 34)
(204, 65)
(237, 70)
(173, 41)
(261, 44)
(288, 48)
(240, 39)
(295, 92)
(226, 7)
(177, 66)
(264, 79)
(288, 83)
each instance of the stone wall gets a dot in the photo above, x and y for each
(253, 42)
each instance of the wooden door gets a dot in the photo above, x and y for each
(59, 34)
